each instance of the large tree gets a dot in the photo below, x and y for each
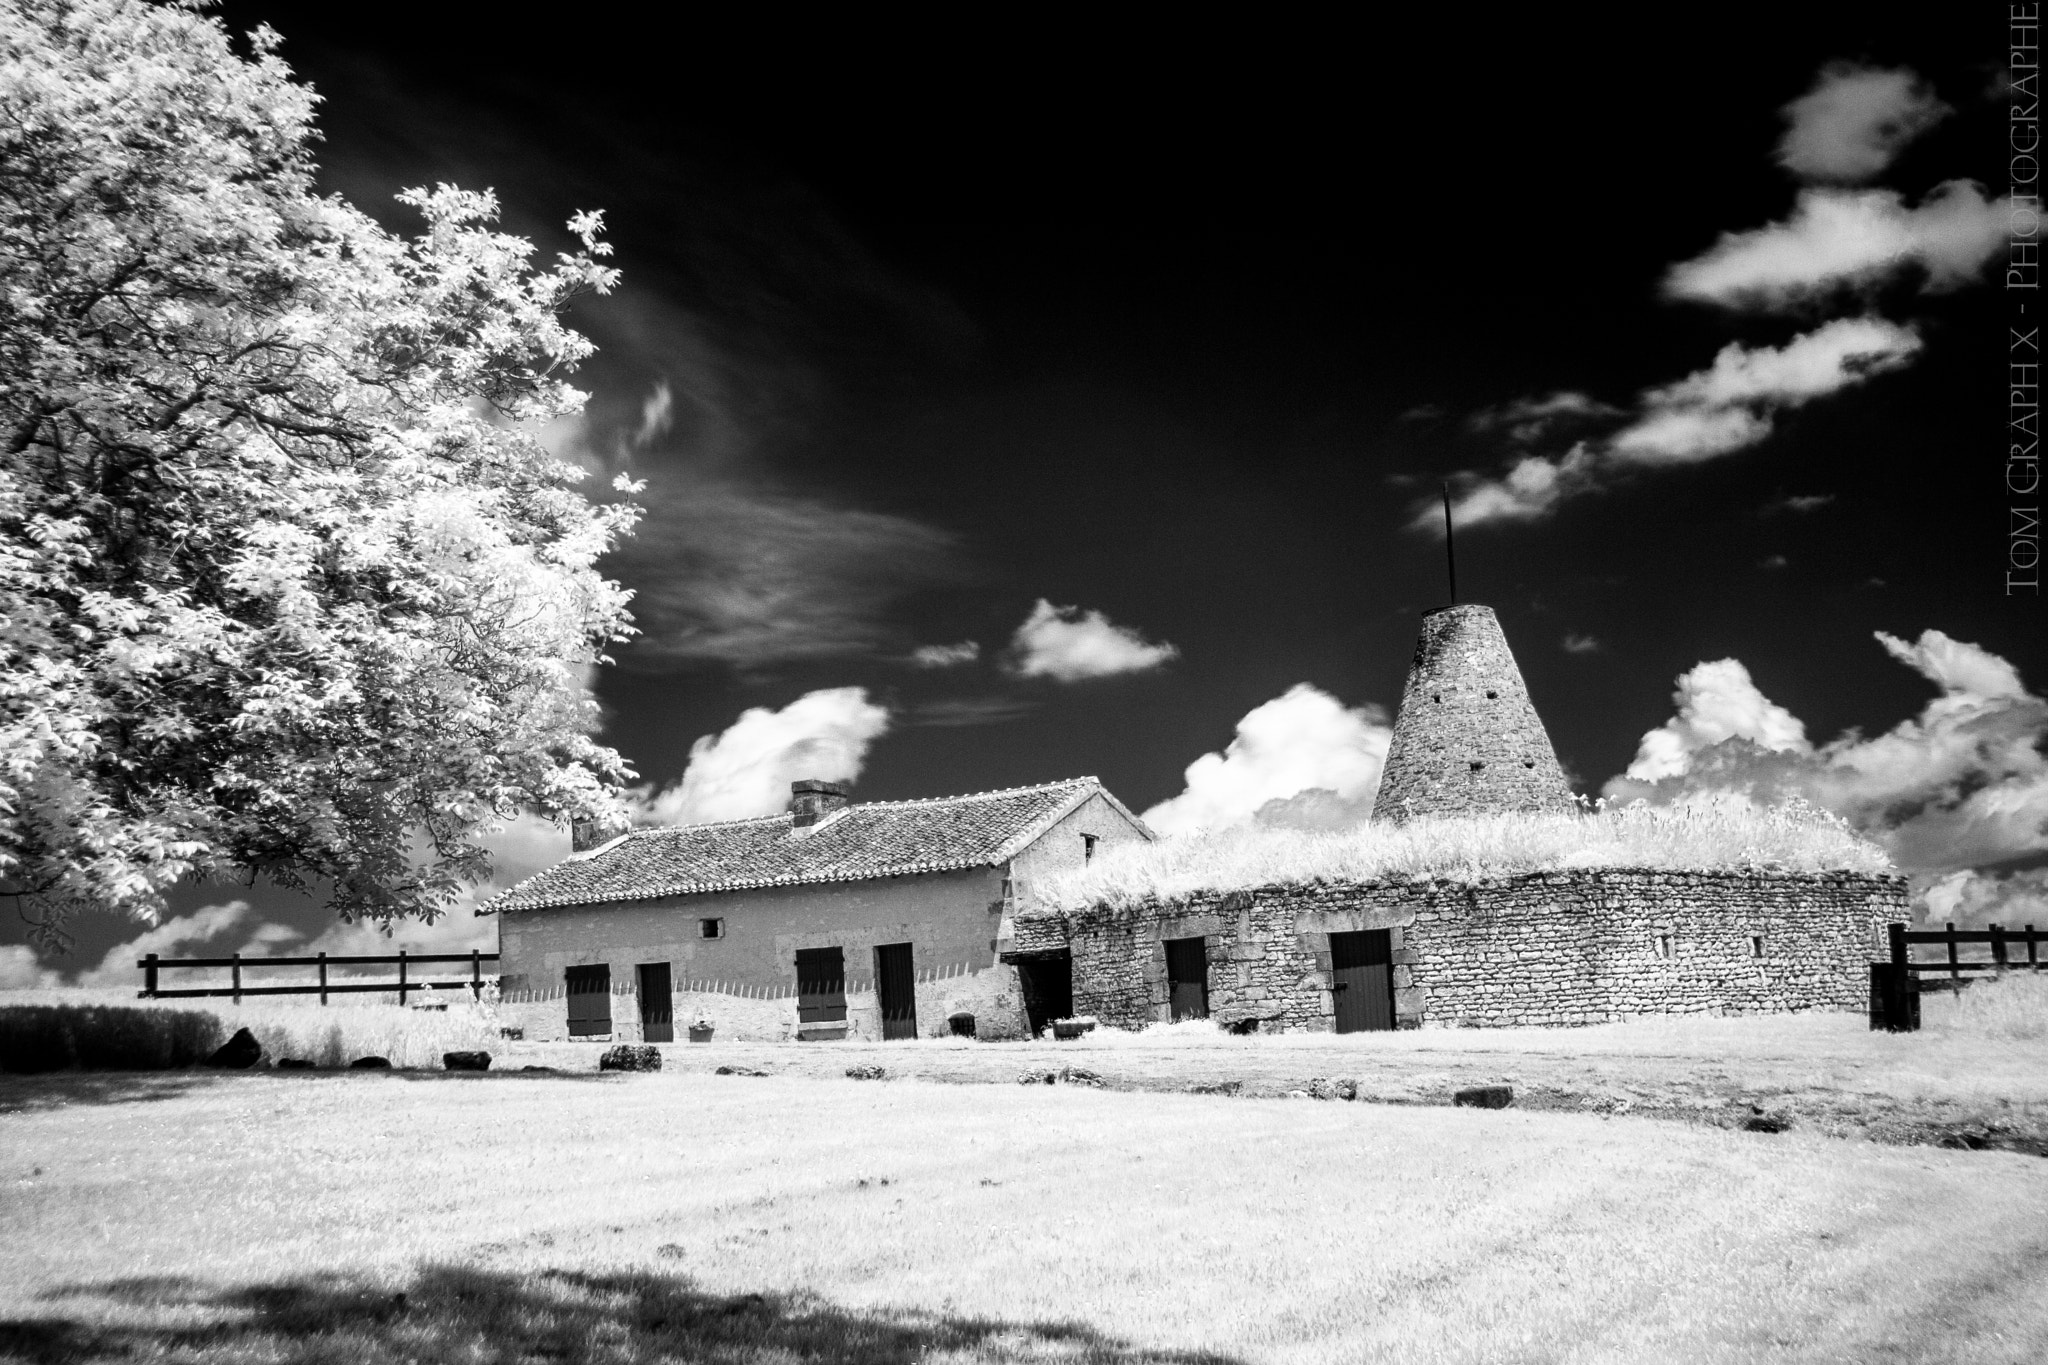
(288, 586)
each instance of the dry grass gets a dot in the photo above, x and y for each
(300, 1027)
(351, 1218)
(1795, 837)
(2014, 1006)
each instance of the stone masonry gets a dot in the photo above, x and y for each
(1585, 946)
(1467, 740)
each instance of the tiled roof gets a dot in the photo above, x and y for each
(856, 842)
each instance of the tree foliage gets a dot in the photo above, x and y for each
(288, 586)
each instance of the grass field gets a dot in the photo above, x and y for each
(687, 1216)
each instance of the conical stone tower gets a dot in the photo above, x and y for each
(1467, 741)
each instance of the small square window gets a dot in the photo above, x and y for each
(1088, 842)
(1756, 945)
(711, 928)
(1663, 945)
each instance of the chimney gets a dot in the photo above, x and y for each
(585, 835)
(812, 799)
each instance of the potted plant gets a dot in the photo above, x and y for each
(700, 1031)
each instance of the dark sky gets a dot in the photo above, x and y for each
(1177, 325)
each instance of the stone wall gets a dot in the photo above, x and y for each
(1467, 740)
(989, 994)
(950, 919)
(1579, 947)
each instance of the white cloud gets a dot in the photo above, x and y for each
(1728, 405)
(1962, 787)
(1803, 502)
(1580, 644)
(946, 656)
(1958, 668)
(746, 770)
(1847, 237)
(1709, 413)
(1527, 419)
(1716, 701)
(1532, 488)
(180, 937)
(725, 571)
(1854, 121)
(1068, 644)
(1301, 743)
(19, 970)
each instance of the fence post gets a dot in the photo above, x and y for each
(476, 974)
(2033, 950)
(238, 978)
(1955, 975)
(401, 978)
(323, 978)
(149, 977)
(1998, 947)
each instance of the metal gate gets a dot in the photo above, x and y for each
(1362, 968)
(896, 990)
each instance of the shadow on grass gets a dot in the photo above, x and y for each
(62, 1089)
(463, 1313)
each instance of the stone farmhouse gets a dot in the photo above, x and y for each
(883, 919)
(1574, 946)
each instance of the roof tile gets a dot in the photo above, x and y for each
(872, 839)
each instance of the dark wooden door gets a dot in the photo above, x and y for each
(820, 986)
(896, 990)
(657, 1004)
(590, 1000)
(1187, 978)
(1362, 966)
(1048, 986)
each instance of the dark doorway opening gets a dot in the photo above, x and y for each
(590, 1000)
(1187, 978)
(1362, 971)
(820, 992)
(1048, 986)
(896, 990)
(657, 1004)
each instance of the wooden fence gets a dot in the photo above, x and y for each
(323, 987)
(1896, 985)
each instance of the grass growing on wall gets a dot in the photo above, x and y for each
(1795, 837)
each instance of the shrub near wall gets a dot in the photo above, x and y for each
(37, 1038)
(1561, 947)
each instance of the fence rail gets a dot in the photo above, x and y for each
(152, 965)
(1896, 986)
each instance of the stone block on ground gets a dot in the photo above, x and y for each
(238, 1053)
(466, 1061)
(738, 1071)
(630, 1057)
(296, 1064)
(866, 1073)
(1484, 1097)
(370, 1064)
